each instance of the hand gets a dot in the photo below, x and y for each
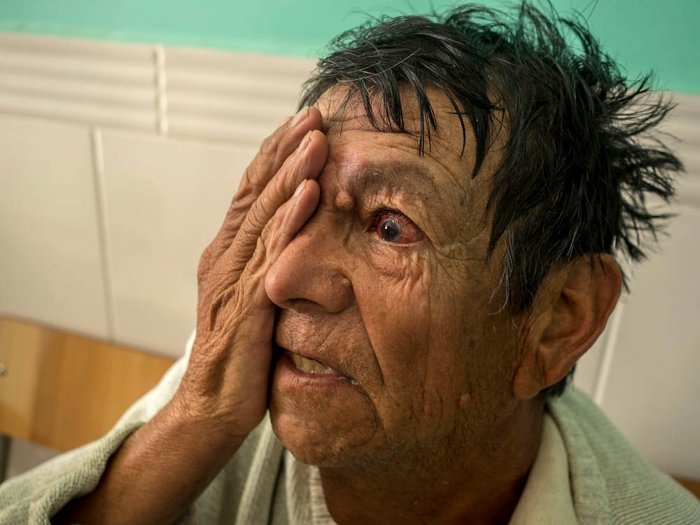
(163, 467)
(226, 383)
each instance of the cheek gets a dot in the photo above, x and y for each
(490, 349)
(457, 345)
(409, 318)
(393, 293)
(399, 267)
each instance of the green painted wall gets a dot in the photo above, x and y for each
(643, 34)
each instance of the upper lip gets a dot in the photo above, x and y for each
(325, 360)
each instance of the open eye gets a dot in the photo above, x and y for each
(396, 228)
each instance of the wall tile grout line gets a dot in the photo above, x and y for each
(161, 86)
(101, 209)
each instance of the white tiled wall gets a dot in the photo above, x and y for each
(117, 164)
(652, 390)
(645, 369)
(50, 258)
(164, 201)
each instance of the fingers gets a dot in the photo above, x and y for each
(306, 163)
(250, 300)
(277, 234)
(287, 222)
(305, 201)
(272, 154)
(276, 148)
(229, 370)
(226, 279)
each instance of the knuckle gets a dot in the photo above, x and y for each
(268, 147)
(259, 255)
(267, 232)
(238, 210)
(247, 238)
(204, 263)
(247, 181)
(259, 215)
(261, 244)
(256, 182)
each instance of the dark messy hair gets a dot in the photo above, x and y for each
(579, 162)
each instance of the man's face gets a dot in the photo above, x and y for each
(388, 285)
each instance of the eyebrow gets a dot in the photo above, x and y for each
(399, 176)
(335, 125)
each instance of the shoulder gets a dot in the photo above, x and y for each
(611, 482)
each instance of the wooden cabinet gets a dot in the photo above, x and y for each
(62, 390)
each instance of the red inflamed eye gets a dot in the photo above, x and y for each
(396, 228)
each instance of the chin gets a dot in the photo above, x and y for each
(331, 441)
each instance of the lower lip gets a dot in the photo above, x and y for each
(287, 375)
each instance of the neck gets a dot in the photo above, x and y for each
(465, 484)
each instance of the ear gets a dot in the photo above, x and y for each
(570, 311)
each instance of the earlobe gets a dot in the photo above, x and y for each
(569, 313)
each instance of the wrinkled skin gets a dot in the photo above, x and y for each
(227, 377)
(162, 468)
(411, 317)
(348, 248)
(417, 322)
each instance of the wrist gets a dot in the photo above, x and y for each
(198, 424)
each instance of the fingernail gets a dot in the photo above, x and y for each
(299, 116)
(300, 188)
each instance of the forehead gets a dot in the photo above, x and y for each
(342, 114)
(449, 152)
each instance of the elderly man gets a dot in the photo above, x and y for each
(405, 280)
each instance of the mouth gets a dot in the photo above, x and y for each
(311, 368)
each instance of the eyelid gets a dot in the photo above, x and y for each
(393, 211)
(390, 211)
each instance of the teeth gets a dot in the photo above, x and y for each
(312, 366)
(309, 365)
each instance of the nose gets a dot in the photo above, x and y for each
(309, 273)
